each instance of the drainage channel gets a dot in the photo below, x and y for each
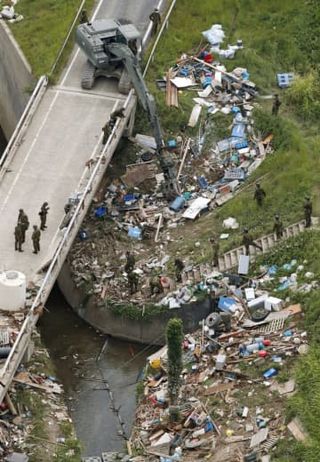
(99, 376)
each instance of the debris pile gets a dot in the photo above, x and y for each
(230, 404)
(136, 207)
(20, 409)
(8, 12)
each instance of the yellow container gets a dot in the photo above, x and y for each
(155, 363)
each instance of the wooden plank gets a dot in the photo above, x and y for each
(186, 150)
(296, 429)
(158, 227)
(39, 387)
(219, 388)
(194, 116)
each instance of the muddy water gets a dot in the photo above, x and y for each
(74, 347)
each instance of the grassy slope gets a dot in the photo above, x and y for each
(278, 37)
(271, 38)
(43, 30)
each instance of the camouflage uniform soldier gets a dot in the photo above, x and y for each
(276, 105)
(83, 17)
(133, 280)
(155, 285)
(247, 240)
(156, 20)
(308, 211)
(43, 215)
(215, 248)
(178, 267)
(131, 261)
(118, 113)
(36, 239)
(259, 195)
(278, 227)
(18, 237)
(106, 132)
(24, 222)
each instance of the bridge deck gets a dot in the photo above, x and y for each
(64, 133)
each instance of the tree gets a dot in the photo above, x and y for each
(174, 336)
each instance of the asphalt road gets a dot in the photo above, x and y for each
(64, 133)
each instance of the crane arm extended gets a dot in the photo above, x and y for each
(147, 101)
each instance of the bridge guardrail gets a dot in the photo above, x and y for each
(63, 46)
(23, 123)
(164, 25)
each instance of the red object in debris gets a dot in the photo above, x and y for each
(263, 353)
(153, 400)
(165, 282)
(208, 58)
(266, 342)
(3, 406)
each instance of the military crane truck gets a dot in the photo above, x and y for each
(111, 46)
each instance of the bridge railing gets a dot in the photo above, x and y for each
(23, 123)
(164, 26)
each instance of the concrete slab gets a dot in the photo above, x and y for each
(63, 135)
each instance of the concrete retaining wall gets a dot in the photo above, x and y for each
(150, 331)
(16, 81)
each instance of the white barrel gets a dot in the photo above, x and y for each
(12, 290)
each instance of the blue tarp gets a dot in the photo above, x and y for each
(238, 131)
(135, 232)
(177, 204)
(100, 212)
(225, 303)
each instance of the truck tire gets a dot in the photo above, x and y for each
(88, 76)
(124, 85)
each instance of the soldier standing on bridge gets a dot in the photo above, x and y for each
(259, 195)
(23, 221)
(36, 239)
(307, 211)
(156, 20)
(278, 227)
(18, 237)
(114, 116)
(43, 215)
(247, 240)
(106, 132)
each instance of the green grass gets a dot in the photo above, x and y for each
(43, 30)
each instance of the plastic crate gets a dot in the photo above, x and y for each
(285, 80)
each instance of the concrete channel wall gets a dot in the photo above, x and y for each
(150, 331)
(16, 81)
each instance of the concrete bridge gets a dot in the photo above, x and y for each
(47, 160)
